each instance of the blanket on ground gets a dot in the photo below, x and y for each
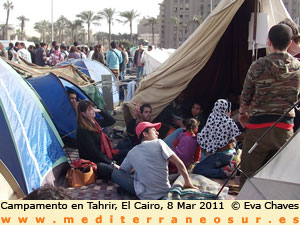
(208, 189)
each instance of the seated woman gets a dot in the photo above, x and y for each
(195, 112)
(217, 138)
(186, 146)
(93, 144)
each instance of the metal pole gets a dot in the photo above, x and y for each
(256, 144)
(211, 7)
(52, 33)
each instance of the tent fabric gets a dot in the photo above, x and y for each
(95, 70)
(153, 59)
(277, 179)
(68, 72)
(53, 94)
(52, 91)
(31, 147)
(212, 62)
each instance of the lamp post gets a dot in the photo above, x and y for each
(52, 34)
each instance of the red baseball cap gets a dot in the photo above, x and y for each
(143, 125)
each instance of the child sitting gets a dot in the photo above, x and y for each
(186, 146)
(217, 138)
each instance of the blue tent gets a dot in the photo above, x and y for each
(94, 70)
(31, 149)
(52, 90)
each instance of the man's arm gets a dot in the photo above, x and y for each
(182, 170)
(248, 93)
(108, 57)
(107, 119)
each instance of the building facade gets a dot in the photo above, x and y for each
(144, 30)
(179, 18)
(293, 7)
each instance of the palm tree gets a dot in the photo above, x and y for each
(177, 23)
(152, 21)
(197, 20)
(129, 16)
(22, 19)
(74, 27)
(42, 27)
(2, 30)
(99, 36)
(108, 13)
(82, 35)
(89, 18)
(7, 6)
(62, 24)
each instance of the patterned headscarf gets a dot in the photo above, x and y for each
(219, 128)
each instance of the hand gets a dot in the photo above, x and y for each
(97, 110)
(177, 122)
(190, 185)
(116, 166)
(243, 119)
(137, 112)
(74, 104)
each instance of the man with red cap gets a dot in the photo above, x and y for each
(150, 163)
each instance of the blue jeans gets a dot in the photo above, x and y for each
(139, 71)
(122, 75)
(213, 165)
(125, 180)
(129, 66)
(172, 137)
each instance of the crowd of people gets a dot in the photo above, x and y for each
(209, 147)
(117, 58)
(142, 161)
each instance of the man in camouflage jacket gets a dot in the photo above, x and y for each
(270, 88)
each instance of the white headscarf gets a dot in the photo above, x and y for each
(219, 128)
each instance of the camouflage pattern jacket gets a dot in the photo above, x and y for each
(272, 85)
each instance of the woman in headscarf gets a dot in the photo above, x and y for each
(217, 138)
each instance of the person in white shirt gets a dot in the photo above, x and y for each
(24, 53)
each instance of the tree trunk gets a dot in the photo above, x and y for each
(88, 34)
(22, 30)
(131, 38)
(72, 35)
(177, 37)
(6, 25)
(62, 35)
(109, 32)
(153, 34)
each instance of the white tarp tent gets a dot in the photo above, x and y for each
(279, 178)
(153, 59)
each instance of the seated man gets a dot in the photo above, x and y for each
(73, 98)
(143, 114)
(150, 163)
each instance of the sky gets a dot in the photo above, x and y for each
(37, 10)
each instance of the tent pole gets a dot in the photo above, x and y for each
(254, 30)
(255, 145)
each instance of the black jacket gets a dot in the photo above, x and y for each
(136, 54)
(88, 142)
